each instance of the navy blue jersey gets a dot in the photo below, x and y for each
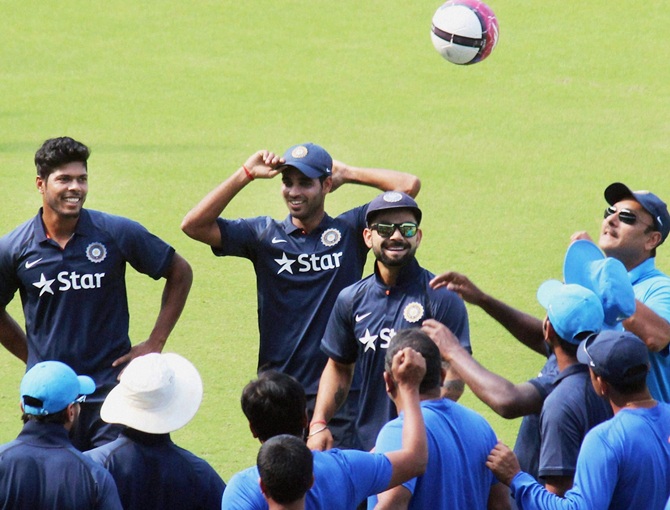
(365, 318)
(41, 469)
(151, 472)
(74, 299)
(298, 277)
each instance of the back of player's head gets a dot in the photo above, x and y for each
(57, 152)
(421, 343)
(285, 467)
(274, 404)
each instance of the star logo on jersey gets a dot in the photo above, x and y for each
(96, 252)
(368, 340)
(413, 312)
(285, 264)
(44, 285)
(331, 237)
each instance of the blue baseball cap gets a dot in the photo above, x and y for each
(311, 159)
(619, 357)
(586, 265)
(618, 191)
(392, 200)
(51, 386)
(573, 310)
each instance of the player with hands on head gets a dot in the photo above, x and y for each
(302, 262)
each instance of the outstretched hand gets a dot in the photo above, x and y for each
(459, 283)
(263, 164)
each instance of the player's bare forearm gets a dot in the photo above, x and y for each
(178, 280)
(652, 329)
(12, 336)
(380, 178)
(200, 222)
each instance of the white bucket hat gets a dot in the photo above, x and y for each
(157, 393)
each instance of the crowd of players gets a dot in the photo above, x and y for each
(355, 403)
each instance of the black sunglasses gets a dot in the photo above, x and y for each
(407, 229)
(625, 216)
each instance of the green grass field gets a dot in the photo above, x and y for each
(514, 153)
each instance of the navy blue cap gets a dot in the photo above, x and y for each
(392, 200)
(616, 356)
(618, 191)
(311, 159)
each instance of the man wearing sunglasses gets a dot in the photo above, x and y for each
(367, 315)
(302, 262)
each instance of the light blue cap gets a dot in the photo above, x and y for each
(51, 386)
(587, 266)
(574, 311)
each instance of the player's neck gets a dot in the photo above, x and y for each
(640, 400)
(59, 228)
(389, 275)
(308, 224)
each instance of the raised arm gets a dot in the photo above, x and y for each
(12, 336)
(507, 399)
(333, 390)
(525, 328)
(178, 279)
(380, 178)
(200, 222)
(408, 369)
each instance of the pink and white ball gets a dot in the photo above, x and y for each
(464, 31)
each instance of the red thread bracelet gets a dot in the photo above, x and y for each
(317, 421)
(249, 174)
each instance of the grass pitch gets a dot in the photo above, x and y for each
(514, 152)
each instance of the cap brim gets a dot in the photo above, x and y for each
(304, 169)
(576, 263)
(616, 192)
(163, 416)
(547, 290)
(86, 385)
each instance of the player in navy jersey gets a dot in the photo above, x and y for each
(68, 264)
(368, 313)
(302, 262)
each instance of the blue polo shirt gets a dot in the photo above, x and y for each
(151, 472)
(74, 299)
(365, 318)
(652, 288)
(41, 469)
(568, 413)
(342, 480)
(298, 277)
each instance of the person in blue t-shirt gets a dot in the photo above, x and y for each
(302, 262)
(368, 313)
(157, 394)
(69, 265)
(41, 468)
(624, 462)
(274, 404)
(459, 441)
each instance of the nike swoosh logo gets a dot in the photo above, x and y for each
(276, 240)
(34, 262)
(359, 318)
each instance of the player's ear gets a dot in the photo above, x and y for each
(39, 183)
(253, 431)
(367, 237)
(327, 184)
(390, 383)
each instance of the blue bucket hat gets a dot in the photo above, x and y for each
(311, 159)
(574, 311)
(616, 356)
(618, 191)
(586, 265)
(392, 200)
(51, 386)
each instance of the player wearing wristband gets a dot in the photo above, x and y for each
(302, 262)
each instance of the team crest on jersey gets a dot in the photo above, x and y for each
(413, 312)
(299, 152)
(96, 252)
(331, 237)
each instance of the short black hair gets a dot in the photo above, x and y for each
(57, 152)
(275, 404)
(421, 343)
(285, 466)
